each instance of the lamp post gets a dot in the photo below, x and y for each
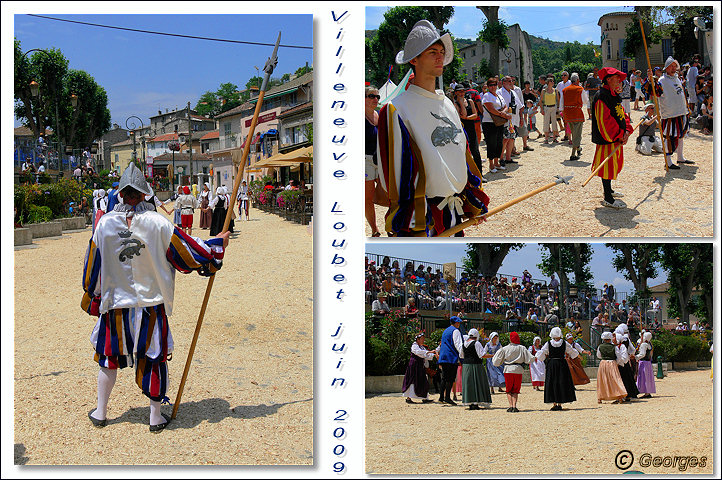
(132, 128)
(35, 91)
(174, 146)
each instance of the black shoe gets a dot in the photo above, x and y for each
(408, 400)
(473, 407)
(451, 402)
(97, 423)
(556, 407)
(528, 149)
(673, 167)
(427, 400)
(573, 157)
(514, 409)
(160, 426)
(511, 161)
(684, 160)
(510, 409)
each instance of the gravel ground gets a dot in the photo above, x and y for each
(583, 438)
(249, 395)
(678, 203)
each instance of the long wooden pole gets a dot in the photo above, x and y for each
(603, 162)
(654, 94)
(457, 228)
(236, 184)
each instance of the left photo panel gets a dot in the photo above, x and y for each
(163, 263)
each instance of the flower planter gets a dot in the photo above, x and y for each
(73, 223)
(704, 364)
(23, 236)
(684, 365)
(45, 229)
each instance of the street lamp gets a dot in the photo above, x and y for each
(132, 128)
(174, 146)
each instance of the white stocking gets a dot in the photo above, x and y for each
(106, 381)
(669, 159)
(680, 145)
(155, 417)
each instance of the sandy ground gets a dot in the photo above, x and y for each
(249, 395)
(678, 203)
(583, 438)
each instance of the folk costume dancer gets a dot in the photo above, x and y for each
(218, 205)
(129, 280)
(475, 384)
(537, 369)
(243, 200)
(559, 385)
(415, 385)
(113, 196)
(673, 111)
(496, 373)
(645, 374)
(101, 207)
(425, 164)
(513, 357)
(625, 368)
(610, 127)
(449, 348)
(204, 199)
(648, 141)
(609, 382)
(185, 204)
(579, 376)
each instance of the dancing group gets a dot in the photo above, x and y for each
(556, 366)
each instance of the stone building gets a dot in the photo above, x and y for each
(515, 60)
(613, 33)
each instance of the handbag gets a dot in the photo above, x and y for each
(498, 120)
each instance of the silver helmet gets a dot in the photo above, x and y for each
(133, 177)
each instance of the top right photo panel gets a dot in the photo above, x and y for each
(536, 121)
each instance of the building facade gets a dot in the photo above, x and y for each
(613, 28)
(515, 60)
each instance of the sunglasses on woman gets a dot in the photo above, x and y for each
(492, 85)
(371, 95)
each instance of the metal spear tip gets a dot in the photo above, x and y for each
(560, 179)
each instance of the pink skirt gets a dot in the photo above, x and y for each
(609, 382)
(457, 387)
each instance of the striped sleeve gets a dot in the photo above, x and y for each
(475, 199)
(187, 253)
(91, 277)
(401, 173)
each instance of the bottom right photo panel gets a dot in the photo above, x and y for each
(539, 358)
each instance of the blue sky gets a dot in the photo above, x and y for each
(143, 73)
(514, 263)
(559, 23)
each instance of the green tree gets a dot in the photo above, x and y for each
(228, 96)
(494, 33)
(486, 258)
(637, 262)
(566, 258)
(688, 267)
(57, 84)
(389, 39)
(208, 104)
(303, 70)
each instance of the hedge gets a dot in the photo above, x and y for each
(42, 202)
(680, 348)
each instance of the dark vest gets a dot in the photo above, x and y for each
(470, 355)
(648, 353)
(557, 352)
(607, 351)
(611, 102)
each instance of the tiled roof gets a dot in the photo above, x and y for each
(165, 137)
(235, 110)
(123, 143)
(26, 132)
(296, 109)
(293, 84)
(181, 156)
(211, 135)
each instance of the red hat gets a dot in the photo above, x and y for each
(603, 72)
(186, 189)
(514, 338)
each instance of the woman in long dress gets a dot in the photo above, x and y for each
(177, 221)
(218, 205)
(204, 198)
(579, 376)
(625, 369)
(101, 206)
(415, 384)
(645, 373)
(537, 368)
(609, 382)
(559, 386)
(475, 384)
(496, 374)
(243, 200)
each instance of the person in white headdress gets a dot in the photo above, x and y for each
(243, 199)
(101, 206)
(645, 372)
(129, 282)
(579, 376)
(474, 384)
(559, 386)
(537, 369)
(625, 369)
(416, 385)
(609, 382)
(218, 205)
(95, 207)
(204, 200)
(423, 160)
(496, 374)
(227, 193)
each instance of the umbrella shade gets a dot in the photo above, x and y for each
(301, 155)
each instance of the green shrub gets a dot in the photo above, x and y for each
(39, 214)
(55, 196)
(680, 348)
(525, 338)
(378, 357)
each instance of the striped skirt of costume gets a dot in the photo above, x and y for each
(674, 129)
(614, 165)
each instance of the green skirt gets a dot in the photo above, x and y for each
(474, 384)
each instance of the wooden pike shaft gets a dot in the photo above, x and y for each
(603, 162)
(654, 94)
(226, 224)
(457, 228)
